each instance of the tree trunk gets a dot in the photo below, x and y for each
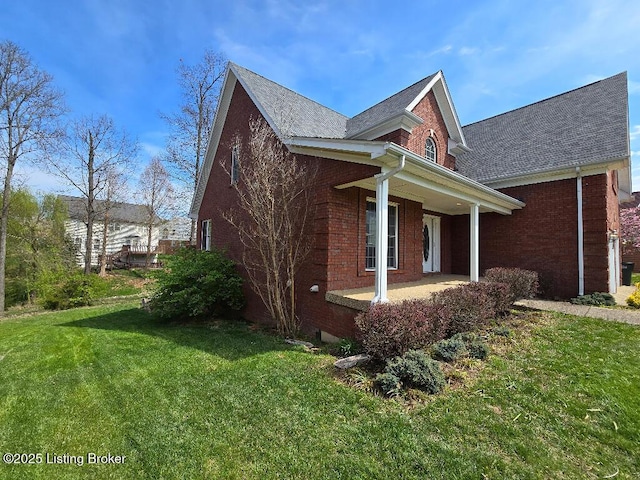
(90, 204)
(105, 237)
(148, 260)
(6, 194)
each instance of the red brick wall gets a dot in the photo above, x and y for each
(429, 111)
(543, 235)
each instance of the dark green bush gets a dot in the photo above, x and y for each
(450, 349)
(501, 331)
(596, 299)
(391, 329)
(197, 284)
(478, 349)
(78, 290)
(521, 283)
(415, 369)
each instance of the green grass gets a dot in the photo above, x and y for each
(223, 401)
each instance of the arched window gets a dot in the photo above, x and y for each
(430, 150)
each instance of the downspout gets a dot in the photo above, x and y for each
(580, 234)
(382, 228)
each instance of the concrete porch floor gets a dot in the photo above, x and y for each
(360, 298)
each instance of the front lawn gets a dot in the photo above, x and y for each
(224, 401)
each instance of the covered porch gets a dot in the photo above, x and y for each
(360, 298)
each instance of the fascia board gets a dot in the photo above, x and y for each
(553, 175)
(406, 120)
(354, 151)
(219, 119)
(257, 103)
(445, 103)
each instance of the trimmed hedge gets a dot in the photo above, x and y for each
(391, 329)
(470, 305)
(522, 283)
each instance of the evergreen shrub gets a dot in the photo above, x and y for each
(197, 284)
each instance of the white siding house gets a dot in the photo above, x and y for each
(126, 227)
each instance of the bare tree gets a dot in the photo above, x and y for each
(29, 109)
(157, 195)
(273, 221)
(114, 189)
(95, 147)
(191, 125)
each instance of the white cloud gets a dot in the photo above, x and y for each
(634, 87)
(635, 132)
(468, 51)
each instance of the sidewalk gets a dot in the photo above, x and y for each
(612, 314)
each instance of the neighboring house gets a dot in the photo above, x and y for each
(537, 188)
(174, 234)
(126, 228)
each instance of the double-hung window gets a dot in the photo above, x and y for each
(205, 243)
(392, 232)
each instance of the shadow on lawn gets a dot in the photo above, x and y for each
(228, 339)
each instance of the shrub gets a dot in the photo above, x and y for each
(521, 283)
(499, 295)
(197, 284)
(415, 369)
(391, 329)
(449, 350)
(596, 299)
(78, 290)
(461, 344)
(478, 349)
(470, 305)
(634, 298)
(502, 331)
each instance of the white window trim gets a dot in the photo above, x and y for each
(396, 242)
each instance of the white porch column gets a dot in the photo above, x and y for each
(474, 240)
(382, 239)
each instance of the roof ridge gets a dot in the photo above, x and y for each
(546, 99)
(429, 77)
(286, 88)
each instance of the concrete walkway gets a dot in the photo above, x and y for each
(612, 314)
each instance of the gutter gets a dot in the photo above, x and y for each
(580, 233)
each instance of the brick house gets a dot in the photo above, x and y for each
(536, 188)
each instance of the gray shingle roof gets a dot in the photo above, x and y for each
(579, 127)
(388, 108)
(294, 114)
(120, 211)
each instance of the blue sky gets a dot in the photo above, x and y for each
(119, 57)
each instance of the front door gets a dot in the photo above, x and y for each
(430, 244)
